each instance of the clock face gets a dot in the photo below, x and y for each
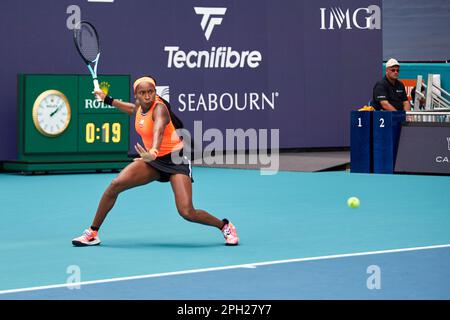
(51, 113)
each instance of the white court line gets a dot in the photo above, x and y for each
(247, 265)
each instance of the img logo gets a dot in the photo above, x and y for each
(361, 18)
(208, 23)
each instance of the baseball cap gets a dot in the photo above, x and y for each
(391, 63)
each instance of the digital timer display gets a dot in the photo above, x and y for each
(106, 134)
(99, 132)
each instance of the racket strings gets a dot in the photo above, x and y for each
(87, 42)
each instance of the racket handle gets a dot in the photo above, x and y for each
(97, 88)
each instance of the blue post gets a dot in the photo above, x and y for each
(386, 134)
(361, 141)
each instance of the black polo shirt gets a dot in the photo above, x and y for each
(394, 94)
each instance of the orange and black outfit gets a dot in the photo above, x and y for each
(171, 145)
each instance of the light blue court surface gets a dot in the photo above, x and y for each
(282, 220)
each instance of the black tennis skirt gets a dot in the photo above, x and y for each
(166, 167)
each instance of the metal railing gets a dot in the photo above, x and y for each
(437, 105)
(428, 116)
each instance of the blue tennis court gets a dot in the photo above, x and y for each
(299, 239)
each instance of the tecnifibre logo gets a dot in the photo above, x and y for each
(361, 18)
(210, 18)
(217, 57)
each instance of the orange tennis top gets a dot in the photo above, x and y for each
(144, 127)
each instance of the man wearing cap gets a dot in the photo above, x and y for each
(389, 93)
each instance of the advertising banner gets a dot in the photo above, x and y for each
(298, 66)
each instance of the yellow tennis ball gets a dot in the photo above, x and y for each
(353, 202)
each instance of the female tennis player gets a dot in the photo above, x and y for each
(155, 124)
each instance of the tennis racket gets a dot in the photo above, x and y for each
(88, 46)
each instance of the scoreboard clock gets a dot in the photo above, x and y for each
(62, 127)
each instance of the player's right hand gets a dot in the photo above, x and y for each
(99, 94)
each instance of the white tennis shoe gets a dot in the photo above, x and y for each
(88, 238)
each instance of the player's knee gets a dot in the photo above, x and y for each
(187, 213)
(115, 187)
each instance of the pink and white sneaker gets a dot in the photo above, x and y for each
(88, 238)
(230, 234)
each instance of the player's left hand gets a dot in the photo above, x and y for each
(144, 153)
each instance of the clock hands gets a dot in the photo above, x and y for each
(57, 109)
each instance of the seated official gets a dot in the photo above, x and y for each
(389, 93)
